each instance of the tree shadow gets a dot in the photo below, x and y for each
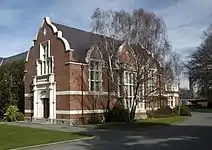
(173, 137)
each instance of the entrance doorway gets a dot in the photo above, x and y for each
(46, 108)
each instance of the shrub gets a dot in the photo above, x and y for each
(164, 111)
(184, 111)
(94, 119)
(12, 114)
(209, 105)
(117, 114)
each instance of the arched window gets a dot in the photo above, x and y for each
(95, 69)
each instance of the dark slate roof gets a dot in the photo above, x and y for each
(81, 41)
(21, 56)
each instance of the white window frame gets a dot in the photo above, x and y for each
(129, 86)
(171, 101)
(45, 63)
(151, 82)
(92, 79)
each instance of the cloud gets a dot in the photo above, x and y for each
(20, 20)
(186, 20)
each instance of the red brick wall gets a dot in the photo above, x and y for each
(63, 102)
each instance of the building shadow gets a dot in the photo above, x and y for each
(172, 137)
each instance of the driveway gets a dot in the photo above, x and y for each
(194, 134)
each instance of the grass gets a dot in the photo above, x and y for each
(141, 124)
(15, 137)
(204, 110)
(167, 120)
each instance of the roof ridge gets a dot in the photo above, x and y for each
(15, 55)
(75, 28)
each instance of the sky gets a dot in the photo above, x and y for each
(21, 19)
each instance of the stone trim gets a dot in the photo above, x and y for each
(78, 112)
(59, 93)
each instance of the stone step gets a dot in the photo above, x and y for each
(41, 121)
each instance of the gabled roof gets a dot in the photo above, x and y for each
(81, 41)
(21, 56)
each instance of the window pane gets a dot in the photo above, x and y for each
(130, 102)
(97, 76)
(96, 66)
(47, 50)
(92, 75)
(92, 86)
(130, 89)
(130, 78)
(50, 66)
(91, 65)
(126, 77)
(97, 86)
(44, 67)
(48, 70)
(44, 48)
(41, 68)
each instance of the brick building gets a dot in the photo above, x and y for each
(66, 77)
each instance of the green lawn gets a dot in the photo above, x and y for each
(205, 110)
(141, 124)
(14, 136)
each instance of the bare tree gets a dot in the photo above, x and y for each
(143, 36)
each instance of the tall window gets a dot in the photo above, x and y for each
(151, 81)
(171, 99)
(45, 59)
(129, 83)
(95, 73)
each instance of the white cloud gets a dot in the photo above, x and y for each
(186, 21)
(20, 20)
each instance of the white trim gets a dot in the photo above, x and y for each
(28, 111)
(93, 48)
(72, 112)
(76, 63)
(65, 42)
(1, 62)
(27, 56)
(121, 48)
(173, 94)
(59, 34)
(48, 21)
(28, 95)
(74, 93)
(80, 92)
(77, 112)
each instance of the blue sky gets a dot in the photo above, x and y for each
(21, 19)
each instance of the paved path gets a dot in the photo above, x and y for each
(194, 134)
